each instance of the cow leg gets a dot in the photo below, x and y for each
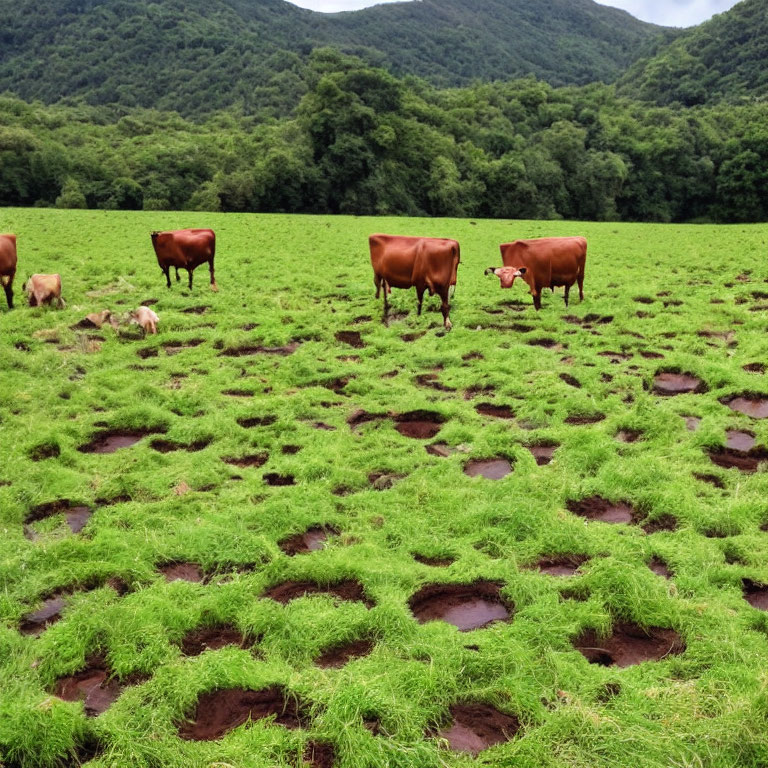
(177, 274)
(580, 280)
(189, 271)
(537, 301)
(420, 299)
(214, 287)
(565, 295)
(445, 307)
(377, 284)
(9, 292)
(167, 273)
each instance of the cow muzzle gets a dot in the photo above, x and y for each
(490, 271)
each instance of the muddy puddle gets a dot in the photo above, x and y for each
(218, 712)
(92, 685)
(660, 568)
(251, 460)
(466, 606)
(492, 469)
(475, 727)
(212, 639)
(598, 508)
(628, 644)
(312, 540)
(420, 424)
(177, 571)
(497, 411)
(439, 449)
(755, 594)
(560, 565)
(543, 452)
(115, 439)
(739, 452)
(755, 406)
(360, 416)
(77, 515)
(35, 622)
(351, 591)
(668, 383)
(339, 655)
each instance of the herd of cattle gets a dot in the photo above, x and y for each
(424, 263)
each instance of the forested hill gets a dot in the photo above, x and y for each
(195, 56)
(722, 60)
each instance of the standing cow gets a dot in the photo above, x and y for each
(545, 262)
(424, 263)
(185, 249)
(8, 265)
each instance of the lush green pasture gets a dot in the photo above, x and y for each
(680, 298)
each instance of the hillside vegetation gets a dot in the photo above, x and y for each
(194, 57)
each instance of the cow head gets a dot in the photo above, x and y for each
(507, 275)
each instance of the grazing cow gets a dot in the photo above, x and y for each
(8, 265)
(543, 263)
(424, 263)
(185, 249)
(146, 318)
(43, 289)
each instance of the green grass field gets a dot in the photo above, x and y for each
(658, 298)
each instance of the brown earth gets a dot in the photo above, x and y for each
(246, 349)
(203, 639)
(91, 685)
(276, 479)
(439, 449)
(252, 460)
(434, 562)
(584, 418)
(561, 565)
(543, 452)
(493, 469)
(311, 540)
(665, 522)
(497, 411)
(476, 726)
(167, 446)
(339, 655)
(466, 606)
(178, 571)
(256, 421)
(755, 594)
(628, 435)
(749, 404)
(660, 568)
(35, 622)
(344, 590)
(669, 383)
(353, 338)
(318, 754)
(598, 508)
(77, 516)
(420, 424)
(628, 644)
(114, 439)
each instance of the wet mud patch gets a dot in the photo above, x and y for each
(93, 686)
(420, 424)
(598, 508)
(660, 568)
(47, 450)
(318, 754)
(247, 349)
(114, 439)
(475, 727)
(439, 449)
(35, 622)
(665, 522)
(409, 337)
(312, 540)
(167, 446)
(211, 639)
(584, 418)
(542, 342)
(739, 441)
(434, 562)
(572, 381)
(339, 655)
(346, 591)
(560, 565)
(201, 310)
(492, 469)
(497, 411)
(251, 460)
(744, 460)
(180, 571)
(692, 423)
(290, 450)
(360, 416)
(466, 606)
(353, 338)
(478, 389)
(755, 594)
(543, 452)
(749, 404)
(628, 435)
(147, 352)
(628, 644)
(276, 479)
(615, 357)
(755, 368)
(76, 515)
(668, 383)
(219, 712)
(248, 422)
(650, 355)
(432, 381)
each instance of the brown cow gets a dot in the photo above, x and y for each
(545, 262)
(424, 263)
(43, 289)
(185, 249)
(8, 265)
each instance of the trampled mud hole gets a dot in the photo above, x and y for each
(598, 508)
(276, 479)
(628, 435)
(434, 562)
(353, 338)
(351, 591)
(311, 540)
(93, 686)
(420, 424)
(495, 410)
(76, 515)
(35, 622)
(180, 571)
(167, 446)
(250, 460)
(628, 644)
(584, 418)
(749, 404)
(755, 594)
(339, 655)
(114, 439)
(543, 452)
(318, 754)
(248, 422)
(466, 606)
(739, 453)
(475, 727)
(561, 565)
(212, 638)
(246, 349)
(660, 568)
(218, 712)
(492, 469)
(669, 383)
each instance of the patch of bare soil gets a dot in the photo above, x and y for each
(47, 450)
(628, 435)
(466, 606)
(665, 522)
(473, 356)
(420, 424)
(177, 571)
(432, 381)
(668, 383)
(749, 404)
(349, 590)
(711, 479)
(76, 515)
(542, 342)
(312, 540)
(493, 469)
(92, 685)
(383, 481)
(167, 446)
(256, 421)
(497, 411)
(475, 727)
(201, 310)
(755, 594)
(584, 418)
(755, 368)
(692, 423)
(561, 565)
(251, 460)
(439, 449)
(218, 712)
(211, 639)
(629, 644)
(319, 754)
(114, 439)
(409, 337)
(650, 355)
(249, 349)
(543, 452)
(35, 622)
(570, 380)
(598, 508)
(339, 655)
(353, 338)
(478, 389)
(434, 562)
(660, 568)
(615, 357)
(146, 352)
(359, 416)
(744, 457)
(276, 479)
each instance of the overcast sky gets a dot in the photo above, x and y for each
(670, 13)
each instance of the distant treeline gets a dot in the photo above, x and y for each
(364, 142)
